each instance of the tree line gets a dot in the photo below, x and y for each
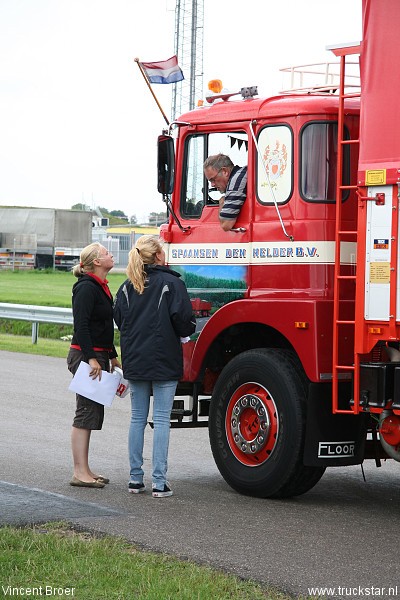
(119, 216)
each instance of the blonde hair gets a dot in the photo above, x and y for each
(143, 253)
(87, 256)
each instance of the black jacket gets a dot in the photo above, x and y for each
(151, 325)
(92, 310)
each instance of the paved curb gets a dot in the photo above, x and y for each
(20, 505)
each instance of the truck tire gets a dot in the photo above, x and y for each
(257, 425)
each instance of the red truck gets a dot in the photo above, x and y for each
(296, 361)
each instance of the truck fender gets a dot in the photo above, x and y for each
(277, 314)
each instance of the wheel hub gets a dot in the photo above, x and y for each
(250, 424)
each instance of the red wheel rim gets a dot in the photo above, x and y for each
(251, 424)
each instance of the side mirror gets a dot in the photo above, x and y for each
(165, 164)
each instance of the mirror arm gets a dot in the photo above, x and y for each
(167, 200)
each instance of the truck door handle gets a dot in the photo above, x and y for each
(239, 229)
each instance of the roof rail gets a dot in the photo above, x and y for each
(321, 78)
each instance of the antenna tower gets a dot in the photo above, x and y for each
(189, 33)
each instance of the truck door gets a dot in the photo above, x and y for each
(199, 248)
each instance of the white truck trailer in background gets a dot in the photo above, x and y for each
(42, 237)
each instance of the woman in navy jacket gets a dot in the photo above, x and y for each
(153, 312)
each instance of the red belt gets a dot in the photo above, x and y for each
(76, 347)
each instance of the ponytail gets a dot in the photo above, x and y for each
(88, 255)
(143, 253)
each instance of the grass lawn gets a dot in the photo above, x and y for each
(22, 343)
(46, 288)
(78, 565)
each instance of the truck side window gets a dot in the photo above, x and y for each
(318, 156)
(196, 191)
(275, 164)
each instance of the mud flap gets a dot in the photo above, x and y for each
(332, 440)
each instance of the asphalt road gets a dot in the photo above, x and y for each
(342, 534)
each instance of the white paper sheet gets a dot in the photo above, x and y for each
(123, 388)
(102, 391)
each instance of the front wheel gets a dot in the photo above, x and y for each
(257, 425)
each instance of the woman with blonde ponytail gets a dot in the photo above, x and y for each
(153, 312)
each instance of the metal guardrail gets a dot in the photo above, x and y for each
(36, 315)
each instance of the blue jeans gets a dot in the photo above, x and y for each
(163, 397)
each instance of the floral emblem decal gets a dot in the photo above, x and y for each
(275, 162)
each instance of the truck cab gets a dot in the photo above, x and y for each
(281, 250)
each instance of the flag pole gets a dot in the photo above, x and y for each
(151, 90)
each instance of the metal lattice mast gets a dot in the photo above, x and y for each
(189, 30)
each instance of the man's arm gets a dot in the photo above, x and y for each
(232, 202)
(226, 224)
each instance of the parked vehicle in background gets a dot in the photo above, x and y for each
(42, 237)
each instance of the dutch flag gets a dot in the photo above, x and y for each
(164, 71)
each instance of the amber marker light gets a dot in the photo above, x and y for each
(301, 324)
(215, 85)
(375, 330)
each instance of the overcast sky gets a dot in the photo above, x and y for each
(77, 123)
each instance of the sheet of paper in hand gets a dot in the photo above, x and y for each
(102, 391)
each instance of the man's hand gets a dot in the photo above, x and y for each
(227, 224)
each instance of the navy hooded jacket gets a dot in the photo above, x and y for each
(151, 325)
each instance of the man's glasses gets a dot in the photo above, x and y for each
(212, 179)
